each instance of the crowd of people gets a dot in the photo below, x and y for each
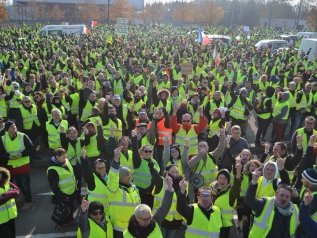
(163, 152)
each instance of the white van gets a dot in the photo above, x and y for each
(309, 46)
(307, 35)
(59, 30)
(272, 44)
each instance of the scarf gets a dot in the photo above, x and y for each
(216, 190)
(287, 211)
(140, 232)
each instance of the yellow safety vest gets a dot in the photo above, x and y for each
(92, 147)
(265, 115)
(195, 114)
(66, 178)
(156, 233)
(226, 210)
(127, 161)
(277, 109)
(304, 103)
(202, 227)
(208, 170)
(73, 153)
(87, 110)
(3, 108)
(15, 147)
(142, 176)
(301, 132)
(99, 193)
(263, 224)
(267, 191)
(244, 185)
(112, 129)
(118, 86)
(54, 140)
(96, 231)
(214, 129)
(8, 210)
(237, 111)
(74, 108)
(29, 117)
(193, 140)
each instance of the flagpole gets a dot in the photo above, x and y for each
(108, 12)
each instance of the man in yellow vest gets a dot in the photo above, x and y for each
(15, 149)
(143, 223)
(62, 181)
(203, 218)
(275, 216)
(280, 115)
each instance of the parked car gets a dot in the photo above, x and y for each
(272, 44)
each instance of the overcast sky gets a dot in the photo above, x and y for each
(165, 1)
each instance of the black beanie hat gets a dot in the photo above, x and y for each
(95, 205)
(226, 173)
(310, 175)
(8, 125)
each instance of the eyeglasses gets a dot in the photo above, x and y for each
(96, 213)
(148, 151)
(309, 123)
(186, 121)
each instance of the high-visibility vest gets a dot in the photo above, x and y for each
(14, 102)
(202, 226)
(214, 106)
(208, 170)
(138, 106)
(301, 195)
(145, 141)
(112, 129)
(15, 147)
(73, 153)
(164, 85)
(264, 191)
(92, 147)
(8, 210)
(263, 86)
(265, 115)
(193, 140)
(142, 175)
(263, 224)
(237, 111)
(168, 106)
(74, 107)
(244, 185)
(227, 98)
(214, 128)
(66, 178)
(87, 110)
(118, 86)
(162, 131)
(3, 108)
(29, 117)
(176, 75)
(53, 138)
(179, 166)
(96, 231)
(304, 103)
(156, 233)
(195, 114)
(226, 210)
(172, 213)
(277, 109)
(99, 193)
(301, 132)
(126, 161)
(123, 200)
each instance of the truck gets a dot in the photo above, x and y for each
(309, 47)
(59, 30)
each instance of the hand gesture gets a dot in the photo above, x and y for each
(155, 113)
(203, 151)
(227, 142)
(85, 130)
(183, 185)
(166, 139)
(187, 141)
(238, 166)
(169, 182)
(83, 153)
(98, 123)
(176, 108)
(228, 126)
(84, 206)
(132, 107)
(255, 176)
(267, 147)
(117, 152)
(200, 110)
(62, 128)
(222, 132)
(280, 162)
(299, 140)
(312, 139)
(308, 197)
(134, 133)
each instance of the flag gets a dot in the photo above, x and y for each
(206, 40)
(216, 57)
(94, 24)
(199, 36)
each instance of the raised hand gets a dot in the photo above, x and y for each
(183, 185)
(280, 162)
(169, 182)
(84, 206)
(308, 197)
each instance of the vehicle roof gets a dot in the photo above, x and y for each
(48, 26)
(267, 41)
(310, 39)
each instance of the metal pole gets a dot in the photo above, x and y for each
(108, 12)
(299, 13)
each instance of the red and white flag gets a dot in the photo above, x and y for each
(94, 24)
(216, 56)
(206, 40)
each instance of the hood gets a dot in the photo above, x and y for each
(276, 169)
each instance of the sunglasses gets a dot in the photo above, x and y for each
(96, 213)
(148, 151)
(186, 121)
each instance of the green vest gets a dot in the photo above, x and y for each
(278, 109)
(193, 140)
(226, 210)
(66, 178)
(92, 147)
(244, 185)
(3, 108)
(195, 114)
(96, 231)
(53, 133)
(208, 170)
(99, 193)
(265, 115)
(118, 86)
(73, 153)
(29, 117)
(127, 161)
(202, 227)
(156, 233)
(264, 191)
(87, 110)
(74, 108)
(15, 147)
(301, 132)
(112, 129)
(263, 224)
(214, 129)
(237, 111)
(8, 210)
(142, 176)
(305, 103)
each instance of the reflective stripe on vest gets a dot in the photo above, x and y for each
(8, 210)
(203, 233)
(99, 193)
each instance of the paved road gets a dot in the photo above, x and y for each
(36, 222)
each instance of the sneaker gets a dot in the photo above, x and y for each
(27, 206)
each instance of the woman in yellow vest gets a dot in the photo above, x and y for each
(93, 222)
(173, 223)
(217, 122)
(8, 210)
(225, 196)
(143, 223)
